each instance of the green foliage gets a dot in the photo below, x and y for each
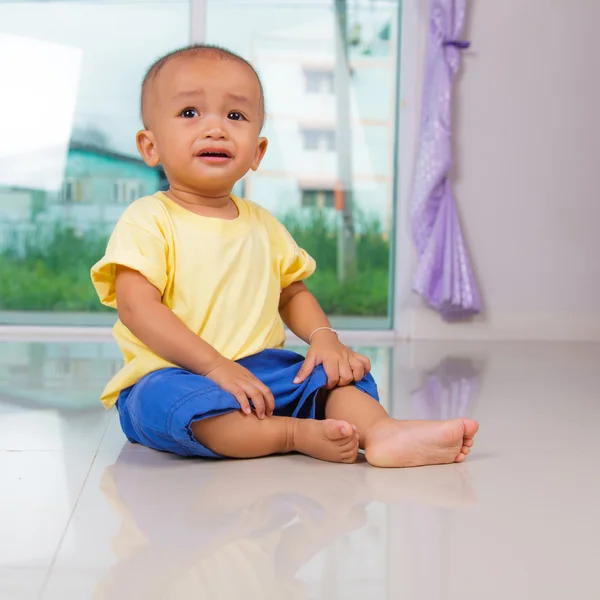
(316, 232)
(367, 294)
(50, 270)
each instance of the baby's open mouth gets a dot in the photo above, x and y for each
(215, 154)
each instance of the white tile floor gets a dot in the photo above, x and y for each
(85, 515)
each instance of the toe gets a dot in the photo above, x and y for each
(460, 457)
(349, 446)
(336, 430)
(465, 450)
(350, 455)
(468, 442)
(471, 427)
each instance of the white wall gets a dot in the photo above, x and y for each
(527, 131)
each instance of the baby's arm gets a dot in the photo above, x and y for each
(142, 312)
(303, 314)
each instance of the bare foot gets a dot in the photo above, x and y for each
(394, 443)
(330, 440)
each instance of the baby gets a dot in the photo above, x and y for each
(203, 283)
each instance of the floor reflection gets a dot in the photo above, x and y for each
(449, 390)
(70, 376)
(89, 516)
(62, 376)
(260, 529)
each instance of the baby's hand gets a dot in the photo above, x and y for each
(342, 365)
(236, 380)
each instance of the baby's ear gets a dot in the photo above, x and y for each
(147, 147)
(259, 153)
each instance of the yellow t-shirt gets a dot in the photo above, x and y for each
(222, 278)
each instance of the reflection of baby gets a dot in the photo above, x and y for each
(232, 530)
(242, 529)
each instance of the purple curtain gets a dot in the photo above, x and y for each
(444, 274)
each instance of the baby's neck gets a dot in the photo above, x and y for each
(218, 206)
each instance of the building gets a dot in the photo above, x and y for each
(98, 184)
(300, 169)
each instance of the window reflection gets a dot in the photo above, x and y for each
(71, 376)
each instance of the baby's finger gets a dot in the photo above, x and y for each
(269, 399)
(257, 399)
(358, 369)
(306, 369)
(242, 400)
(346, 374)
(332, 370)
(365, 361)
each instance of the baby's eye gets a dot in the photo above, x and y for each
(236, 116)
(189, 113)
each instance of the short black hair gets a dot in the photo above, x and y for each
(198, 49)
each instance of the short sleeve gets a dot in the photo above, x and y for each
(136, 248)
(295, 263)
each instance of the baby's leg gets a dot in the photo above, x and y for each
(388, 442)
(236, 435)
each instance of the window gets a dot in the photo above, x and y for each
(126, 191)
(322, 140)
(315, 198)
(88, 170)
(134, 190)
(309, 198)
(118, 192)
(318, 81)
(72, 191)
(68, 191)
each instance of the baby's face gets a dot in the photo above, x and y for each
(204, 117)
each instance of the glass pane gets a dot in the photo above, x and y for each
(69, 166)
(330, 99)
(68, 161)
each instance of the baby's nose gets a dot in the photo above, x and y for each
(215, 133)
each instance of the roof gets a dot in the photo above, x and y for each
(102, 151)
